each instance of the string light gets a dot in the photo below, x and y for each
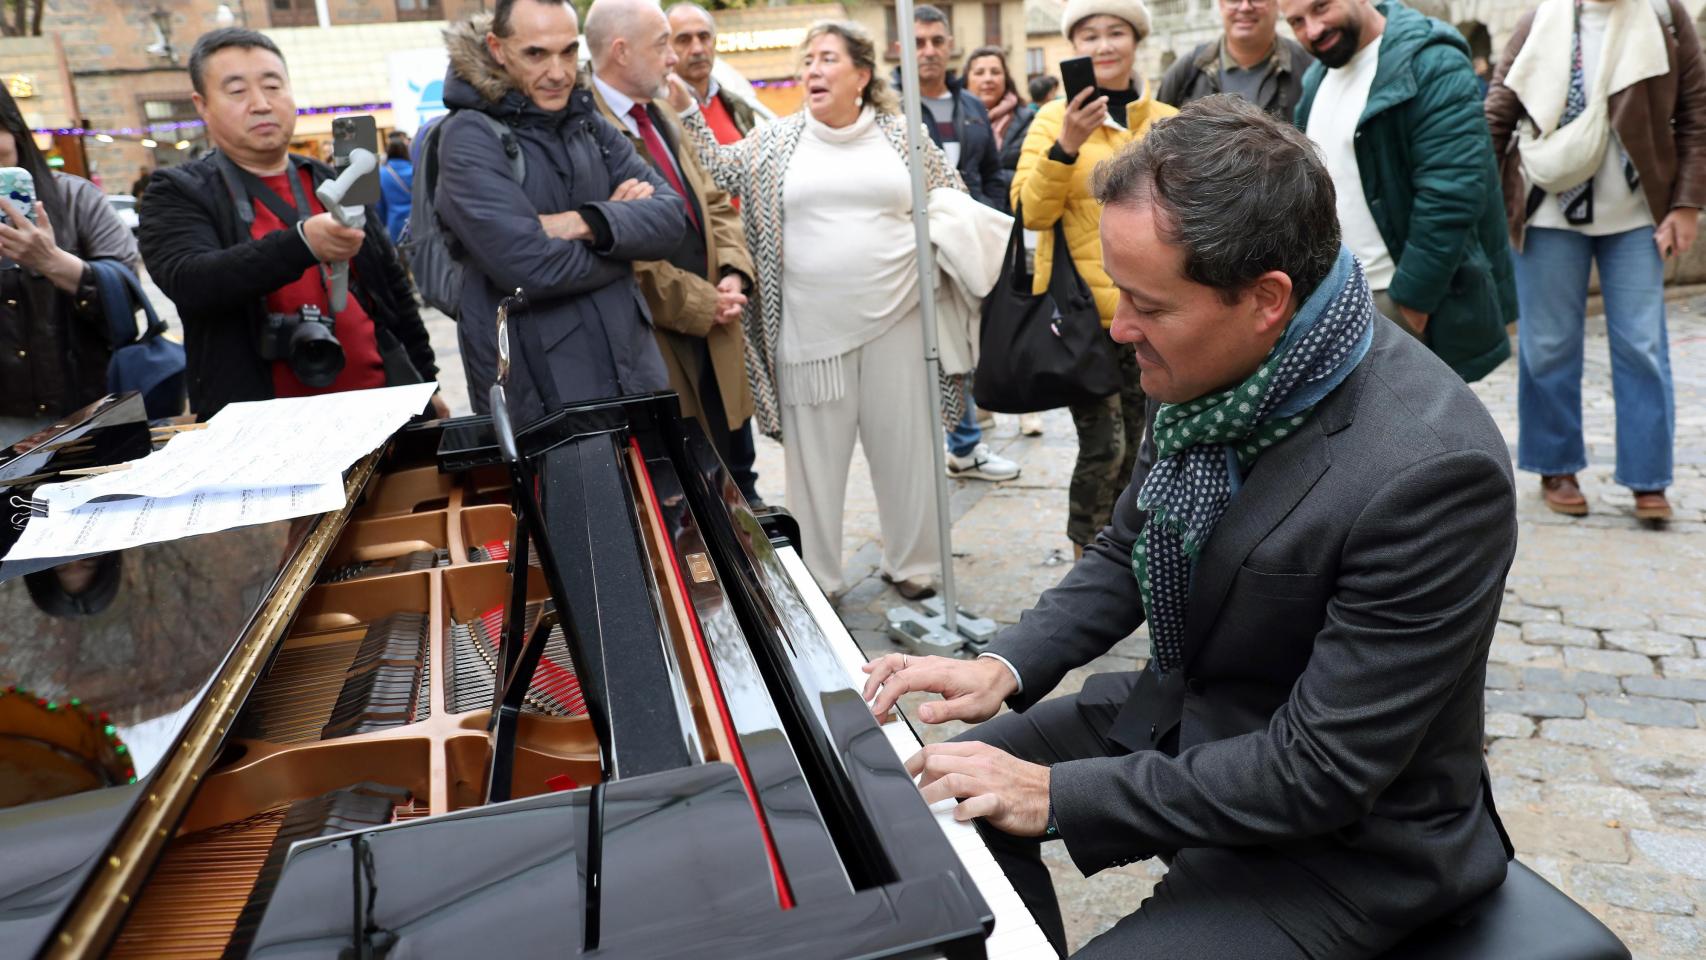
(112, 133)
(150, 143)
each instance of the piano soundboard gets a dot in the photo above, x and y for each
(668, 757)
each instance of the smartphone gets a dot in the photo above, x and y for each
(350, 133)
(1076, 73)
(18, 186)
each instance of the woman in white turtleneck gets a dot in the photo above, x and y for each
(836, 337)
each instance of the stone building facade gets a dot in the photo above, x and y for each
(126, 64)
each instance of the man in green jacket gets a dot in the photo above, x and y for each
(1401, 128)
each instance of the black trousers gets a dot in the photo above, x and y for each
(735, 446)
(1213, 904)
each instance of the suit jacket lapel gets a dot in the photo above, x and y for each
(1276, 484)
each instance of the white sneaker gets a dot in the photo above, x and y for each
(982, 464)
(1031, 424)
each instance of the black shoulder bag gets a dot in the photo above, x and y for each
(1042, 351)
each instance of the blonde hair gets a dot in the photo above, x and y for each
(863, 52)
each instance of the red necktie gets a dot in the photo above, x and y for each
(661, 157)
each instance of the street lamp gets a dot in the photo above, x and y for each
(162, 45)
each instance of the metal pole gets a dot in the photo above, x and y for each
(916, 145)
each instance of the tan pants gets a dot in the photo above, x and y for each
(885, 407)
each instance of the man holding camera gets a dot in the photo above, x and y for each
(241, 244)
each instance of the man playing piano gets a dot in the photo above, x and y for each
(1317, 534)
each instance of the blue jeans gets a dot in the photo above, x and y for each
(1552, 285)
(966, 435)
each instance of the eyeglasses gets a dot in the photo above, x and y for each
(1252, 4)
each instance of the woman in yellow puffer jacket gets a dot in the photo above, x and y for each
(1065, 143)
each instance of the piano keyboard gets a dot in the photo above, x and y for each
(1016, 936)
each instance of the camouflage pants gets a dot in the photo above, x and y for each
(1109, 432)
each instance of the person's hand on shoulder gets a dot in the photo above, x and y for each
(680, 96)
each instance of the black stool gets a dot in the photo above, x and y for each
(1526, 918)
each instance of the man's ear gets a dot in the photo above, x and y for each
(200, 103)
(1271, 297)
(495, 47)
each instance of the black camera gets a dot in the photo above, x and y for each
(305, 339)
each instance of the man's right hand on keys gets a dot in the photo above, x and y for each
(972, 690)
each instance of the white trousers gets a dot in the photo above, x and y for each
(885, 407)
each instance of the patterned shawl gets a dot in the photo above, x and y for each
(1201, 442)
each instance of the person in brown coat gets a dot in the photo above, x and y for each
(1598, 114)
(698, 295)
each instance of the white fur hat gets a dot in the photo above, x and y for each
(1131, 11)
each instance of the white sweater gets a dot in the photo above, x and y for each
(847, 237)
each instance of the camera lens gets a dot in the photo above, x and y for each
(316, 357)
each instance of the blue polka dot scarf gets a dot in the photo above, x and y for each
(1197, 441)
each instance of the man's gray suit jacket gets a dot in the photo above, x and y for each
(1329, 705)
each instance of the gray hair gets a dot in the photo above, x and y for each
(863, 52)
(690, 5)
(925, 13)
(1243, 193)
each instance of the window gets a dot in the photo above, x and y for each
(420, 10)
(1035, 65)
(292, 13)
(992, 24)
(159, 117)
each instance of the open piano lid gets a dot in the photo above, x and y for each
(813, 842)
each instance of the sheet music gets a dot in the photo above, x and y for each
(289, 442)
(121, 524)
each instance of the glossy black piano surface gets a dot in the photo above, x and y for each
(692, 774)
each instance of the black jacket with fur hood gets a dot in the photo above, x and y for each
(584, 305)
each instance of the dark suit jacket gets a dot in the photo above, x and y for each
(980, 157)
(1329, 708)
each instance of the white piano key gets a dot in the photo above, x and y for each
(1016, 936)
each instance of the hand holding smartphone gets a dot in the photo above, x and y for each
(1076, 74)
(18, 186)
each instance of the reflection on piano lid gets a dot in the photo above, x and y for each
(645, 745)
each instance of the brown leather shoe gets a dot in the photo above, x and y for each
(914, 588)
(1651, 505)
(1563, 495)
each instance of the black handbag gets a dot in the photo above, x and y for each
(1042, 351)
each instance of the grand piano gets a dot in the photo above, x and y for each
(550, 691)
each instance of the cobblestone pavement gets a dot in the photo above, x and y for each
(1596, 693)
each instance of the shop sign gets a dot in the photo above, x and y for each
(747, 41)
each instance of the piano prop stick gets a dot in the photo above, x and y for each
(519, 657)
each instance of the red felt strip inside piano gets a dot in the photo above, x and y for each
(549, 678)
(784, 896)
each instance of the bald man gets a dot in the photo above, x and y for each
(698, 293)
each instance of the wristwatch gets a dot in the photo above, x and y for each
(1052, 830)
